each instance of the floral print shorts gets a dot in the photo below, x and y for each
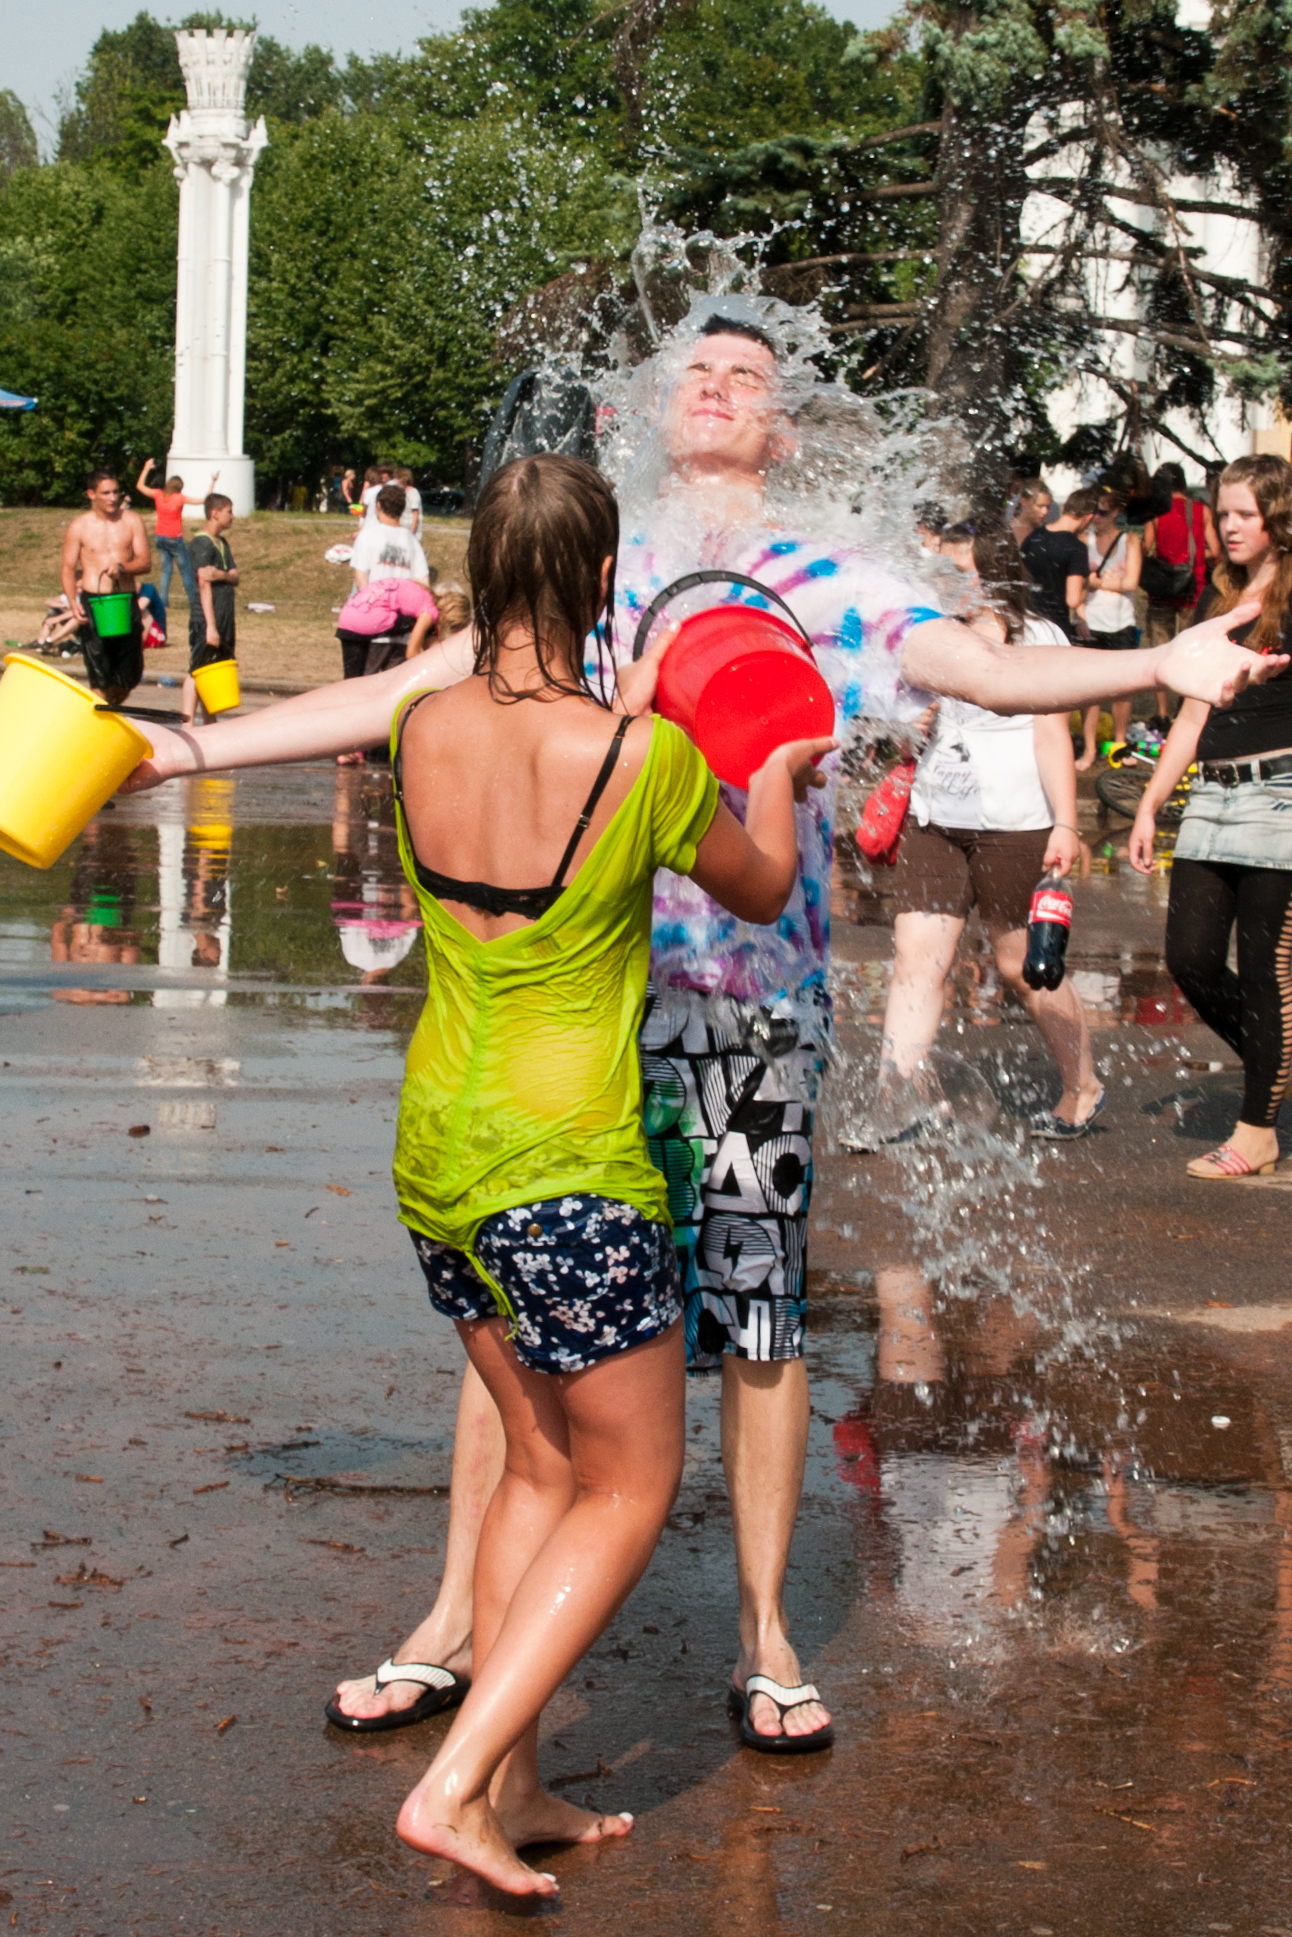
(585, 1276)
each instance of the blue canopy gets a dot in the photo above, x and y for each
(10, 400)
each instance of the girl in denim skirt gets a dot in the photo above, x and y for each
(1233, 859)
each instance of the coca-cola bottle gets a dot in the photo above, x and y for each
(1048, 924)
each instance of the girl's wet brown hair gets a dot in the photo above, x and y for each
(1269, 479)
(1004, 580)
(542, 530)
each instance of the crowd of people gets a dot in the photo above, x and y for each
(108, 549)
(1077, 569)
(605, 1140)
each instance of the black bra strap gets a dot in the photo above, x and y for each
(598, 788)
(712, 577)
(396, 768)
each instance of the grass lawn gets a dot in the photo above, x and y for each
(280, 562)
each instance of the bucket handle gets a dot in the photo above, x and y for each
(140, 713)
(657, 605)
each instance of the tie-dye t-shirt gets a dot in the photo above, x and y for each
(857, 614)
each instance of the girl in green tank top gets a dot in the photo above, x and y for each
(532, 820)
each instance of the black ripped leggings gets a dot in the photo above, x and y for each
(1251, 1011)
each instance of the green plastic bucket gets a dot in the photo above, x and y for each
(111, 613)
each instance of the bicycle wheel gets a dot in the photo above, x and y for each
(1123, 791)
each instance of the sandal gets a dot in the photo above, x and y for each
(1226, 1163)
(785, 1699)
(443, 1690)
(1056, 1129)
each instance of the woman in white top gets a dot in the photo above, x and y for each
(1115, 560)
(993, 808)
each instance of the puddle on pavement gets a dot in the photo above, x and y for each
(1043, 1570)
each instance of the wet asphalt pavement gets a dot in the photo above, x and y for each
(1043, 1572)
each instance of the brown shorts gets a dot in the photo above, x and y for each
(949, 870)
(1163, 622)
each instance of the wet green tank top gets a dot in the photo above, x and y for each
(523, 1081)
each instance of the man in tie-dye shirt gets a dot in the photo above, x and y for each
(737, 1029)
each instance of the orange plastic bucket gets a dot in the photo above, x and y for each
(741, 683)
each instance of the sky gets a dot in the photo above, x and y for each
(45, 46)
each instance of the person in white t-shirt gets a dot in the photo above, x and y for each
(384, 549)
(993, 808)
(412, 518)
(373, 479)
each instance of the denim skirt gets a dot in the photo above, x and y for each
(1247, 826)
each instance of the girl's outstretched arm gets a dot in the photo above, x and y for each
(752, 869)
(944, 656)
(310, 726)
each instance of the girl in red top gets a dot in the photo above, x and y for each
(169, 503)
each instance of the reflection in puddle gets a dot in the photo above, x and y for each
(374, 908)
(1093, 1497)
(216, 886)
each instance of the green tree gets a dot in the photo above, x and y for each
(87, 305)
(17, 142)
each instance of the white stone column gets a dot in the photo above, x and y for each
(215, 153)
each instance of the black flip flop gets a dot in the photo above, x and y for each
(785, 1699)
(443, 1690)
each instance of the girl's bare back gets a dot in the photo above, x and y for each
(493, 791)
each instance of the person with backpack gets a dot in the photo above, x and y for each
(1178, 545)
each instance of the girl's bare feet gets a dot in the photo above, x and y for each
(471, 1835)
(541, 1818)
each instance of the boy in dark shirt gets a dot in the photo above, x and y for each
(212, 633)
(1056, 557)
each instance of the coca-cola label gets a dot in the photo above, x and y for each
(1052, 904)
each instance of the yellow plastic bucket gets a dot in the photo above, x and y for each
(217, 685)
(59, 759)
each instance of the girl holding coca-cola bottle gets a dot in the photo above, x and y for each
(993, 807)
(1233, 858)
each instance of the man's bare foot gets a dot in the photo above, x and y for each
(359, 1697)
(472, 1836)
(1087, 761)
(541, 1818)
(777, 1660)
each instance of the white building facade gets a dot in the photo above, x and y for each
(1228, 245)
(215, 153)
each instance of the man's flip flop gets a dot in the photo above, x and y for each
(785, 1699)
(443, 1690)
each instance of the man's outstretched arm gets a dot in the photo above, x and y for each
(945, 656)
(310, 726)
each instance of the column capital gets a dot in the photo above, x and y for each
(228, 154)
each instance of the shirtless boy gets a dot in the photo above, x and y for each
(106, 549)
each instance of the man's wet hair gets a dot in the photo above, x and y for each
(391, 499)
(213, 502)
(728, 326)
(101, 476)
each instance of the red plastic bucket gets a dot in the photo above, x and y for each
(741, 683)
